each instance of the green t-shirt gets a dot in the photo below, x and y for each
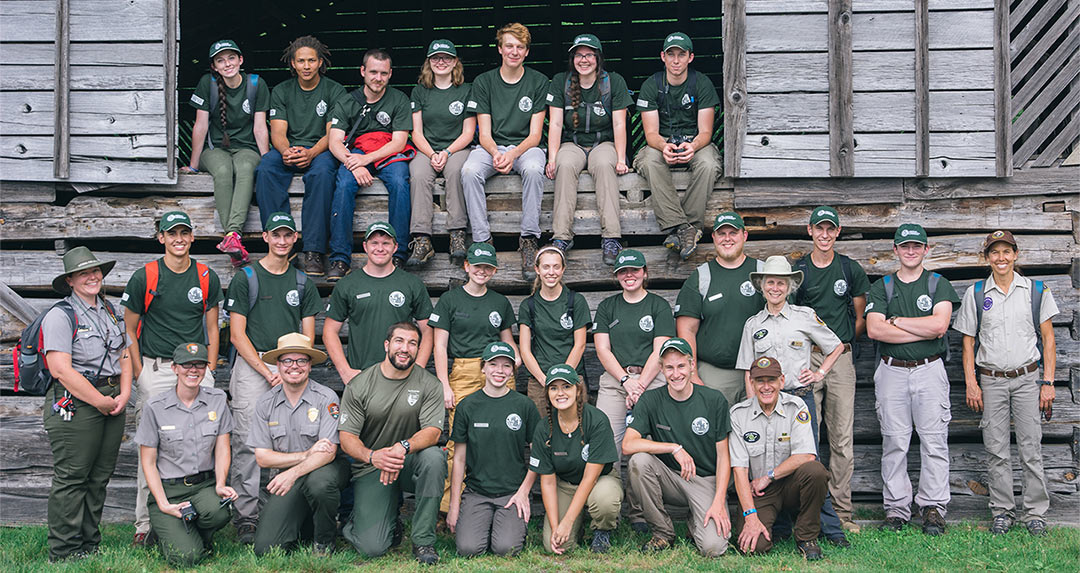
(826, 291)
(382, 412)
(511, 106)
(277, 311)
(731, 300)
(472, 321)
(696, 424)
(496, 431)
(552, 329)
(239, 113)
(632, 327)
(176, 314)
(371, 305)
(443, 113)
(911, 299)
(391, 113)
(593, 119)
(307, 112)
(554, 452)
(678, 115)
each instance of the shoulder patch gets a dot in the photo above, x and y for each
(803, 416)
(333, 410)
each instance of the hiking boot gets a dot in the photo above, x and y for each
(562, 245)
(688, 240)
(338, 270)
(933, 523)
(398, 262)
(601, 541)
(610, 249)
(1037, 527)
(840, 541)
(528, 246)
(422, 251)
(144, 540)
(1003, 522)
(671, 241)
(656, 545)
(322, 549)
(312, 263)
(457, 246)
(851, 527)
(810, 550)
(245, 532)
(893, 524)
(399, 533)
(425, 554)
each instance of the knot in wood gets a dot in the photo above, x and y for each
(110, 119)
(845, 17)
(736, 97)
(26, 108)
(765, 140)
(20, 149)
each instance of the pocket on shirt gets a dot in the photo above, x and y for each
(279, 438)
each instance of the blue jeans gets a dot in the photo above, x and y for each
(396, 178)
(272, 180)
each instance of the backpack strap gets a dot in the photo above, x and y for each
(931, 284)
(570, 304)
(704, 278)
(213, 94)
(204, 283)
(887, 282)
(978, 294)
(252, 92)
(804, 264)
(253, 287)
(357, 95)
(691, 88)
(1037, 288)
(532, 306)
(301, 284)
(153, 273)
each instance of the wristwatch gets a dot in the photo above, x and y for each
(771, 475)
(892, 320)
(1046, 382)
(405, 444)
(624, 379)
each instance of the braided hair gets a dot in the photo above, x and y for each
(553, 414)
(575, 84)
(222, 107)
(307, 42)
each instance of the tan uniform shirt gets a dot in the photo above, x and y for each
(1007, 337)
(184, 437)
(788, 337)
(286, 428)
(761, 442)
(97, 334)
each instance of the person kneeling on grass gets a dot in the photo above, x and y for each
(491, 430)
(773, 459)
(575, 466)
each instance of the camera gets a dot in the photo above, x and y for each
(679, 139)
(188, 514)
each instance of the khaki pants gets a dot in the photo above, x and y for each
(671, 211)
(611, 400)
(837, 394)
(422, 187)
(484, 523)
(245, 387)
(1017, 398)
(537, 392)
(569, 162)
(602, 505)
(656, 483)
(730, 383)
(156, 377)
(465, 378)
(803, 490)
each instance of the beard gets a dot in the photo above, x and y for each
(394, 361)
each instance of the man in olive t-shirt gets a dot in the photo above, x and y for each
(677, 111)
(391, 419)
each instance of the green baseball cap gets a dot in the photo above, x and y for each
(190, 352)
(497, 349)
(222, 45)
(728, 218)
(561, 372)
(587, 40)
(676, 343)
(278, 220)
(678, 40)
(629, 259)
(441, 46)
(824, 213)
(379, 227)
(909, 233)
(174, 219)
(482, 254)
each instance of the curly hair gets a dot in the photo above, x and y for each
(307, 42)
(575, 84)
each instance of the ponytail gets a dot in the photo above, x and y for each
(222, 109)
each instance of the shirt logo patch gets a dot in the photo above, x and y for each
(763, 362)
(246, 106)
(320, 108)
(212, 416)
(341, 420)
(195, 295)
(840, 287)
(646, 323)
(456, 107)
(495, 319)
(198, 100)
(192, 349)
(747, 289)
(629, 417)
(700, 425)
(534, 462)
(686, 99)
(383, 118)
(566, 322)
(585, 453)
(761, 334)
(869, 306)
(513, 421)
(312, 414)
(333, 409)
(642, 103)
(471, 104)
(293, 298)
(414, 397)
(988, 303)
(803, 416)
(397, 299)
(924, 302)
(751, 437)
(525, 104)
(273, 112)
(598, 109)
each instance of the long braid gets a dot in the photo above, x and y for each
(552, 420)
(581, 411)
(222, 107)
(575, 95)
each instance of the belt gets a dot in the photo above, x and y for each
(1010, 373)
(190, 480)
(107, 381)
(633, 369)
(816, 348)
(890, 361)
(802, 391)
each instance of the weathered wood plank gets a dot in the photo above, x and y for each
(1069, 135)
(171, 32)
(788, 155)
(922, 88)
(91, 20)
(27, 192)
(1002, 92)
(871, 71)
(962, 154)
(1053, 89)
(789, 6)
(86, 54)
(765, 193)
(870, 31)
(41, 78)
(92, 113)
(735, 104)
(1035, 56)
(96, 170)
(873, 112)
(30, 147)
(1061, 181)
(62, 93)
(841, 136)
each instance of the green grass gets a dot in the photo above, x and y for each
(965, 547)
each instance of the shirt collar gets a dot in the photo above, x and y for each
(756, 410)
(1019, 281)
(305, 396)
(173, 400)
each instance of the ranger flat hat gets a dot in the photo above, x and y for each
(765, 366)
(777, 266)
(79, 259)
(294, 342)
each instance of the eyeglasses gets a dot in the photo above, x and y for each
(585, 56)
(296, 361)
(442, 59)
(193, 366)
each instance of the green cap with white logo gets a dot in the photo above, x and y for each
(482, 254)
(824, 213)
(730, 218)
(379, 227)
(174, 219)
(441, 46)
(222, 45)
(278, 220)
(190, 352)
(562, 372)
(629, 259)
(909, 233)
(678, 40)
(676, 343)
(587, 40)
(497, 349)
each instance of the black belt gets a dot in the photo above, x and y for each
(890, 361)
(816, 348)
(802, 391)
(1010, 373)
(108, 381)
(190, 480)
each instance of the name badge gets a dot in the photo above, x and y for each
(784, 439)
(168, 427)
(363, 295)
(796, 344)
(663, 427)
(559, 453)
(716, 296)
(271, 424)
(480, 424)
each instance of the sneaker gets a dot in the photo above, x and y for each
(457, 247)
(312, 263)
(338, 270)
(840, 541)
(1003, 522)
(810, 550)
(656, 545)
(611, 249)
(1036, 527)
(688, 240)
(893, 524)
(672, 240)
(322, 549)
(639, 527)
(562, 245)
(141, 540)
(601, 541)
(528, 246)
(232, 246)
(933, 523)
(422, 251)
(245, 532)
(425, 554)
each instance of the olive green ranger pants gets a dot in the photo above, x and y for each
(184, 546)
(315, 497)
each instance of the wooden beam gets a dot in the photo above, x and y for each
(841, 109)
(172, 17)
(734, 37)
(14, 304)
(922, 88)
(62, 94)
(1002, 91)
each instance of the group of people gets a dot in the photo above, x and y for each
(691, 402)
(465, 133)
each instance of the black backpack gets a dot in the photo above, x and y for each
(806, 265)
(32, 375)
(605, 100)
(662, 88)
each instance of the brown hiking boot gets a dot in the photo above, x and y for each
(457, 246)
(422, 251)
(689, 236)
(810, 550)
(656, 545)
(338, 270)
(312, 263)
(528, 246)
(933, 523)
